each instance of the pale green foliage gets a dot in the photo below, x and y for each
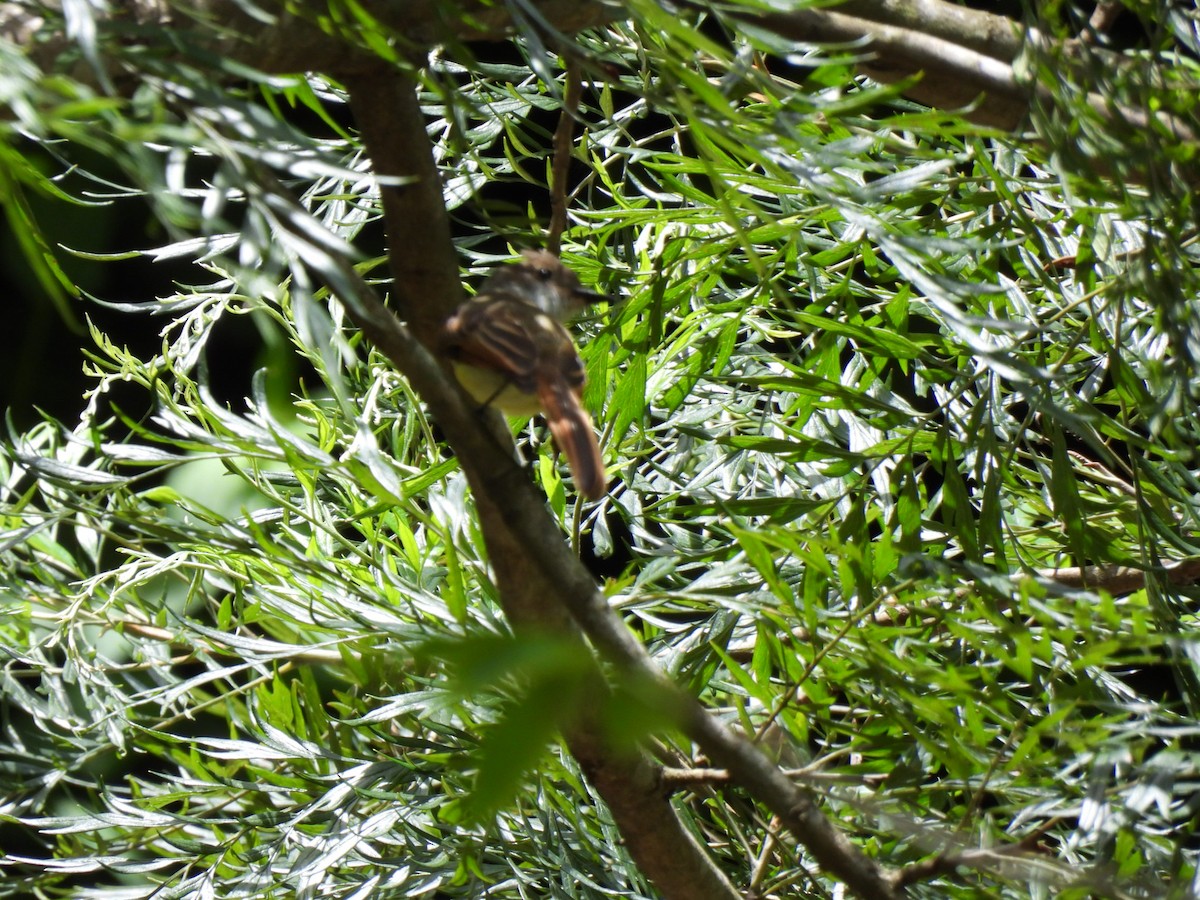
(850, 411)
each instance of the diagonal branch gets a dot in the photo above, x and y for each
(967, 58)
(540, 579)
(386, 107)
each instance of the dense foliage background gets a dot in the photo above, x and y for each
(899, 409)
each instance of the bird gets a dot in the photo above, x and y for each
(509, 350)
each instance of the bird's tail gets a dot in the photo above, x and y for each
(573, 433)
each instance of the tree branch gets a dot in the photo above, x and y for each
(561, 167)
(296, 37)
(1121, 579)
(955, 75)
(427, 279)
(967, 58)
(426, 283)
(537, 574)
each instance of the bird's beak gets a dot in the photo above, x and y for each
(591, 297)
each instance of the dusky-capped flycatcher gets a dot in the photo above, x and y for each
(510, 350)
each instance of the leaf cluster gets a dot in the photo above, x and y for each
(858, 408)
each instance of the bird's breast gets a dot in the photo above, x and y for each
(488, 386)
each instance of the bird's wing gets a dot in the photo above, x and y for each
(495, 332)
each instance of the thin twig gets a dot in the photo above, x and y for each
(986, 858)
(1121, 579)
(675, 779)
(560, 167)
(762, 865)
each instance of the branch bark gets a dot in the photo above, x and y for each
(967, 58)
(1122, 579)
(541, 582)
(957, 74)
(427, 283)
(295, 37)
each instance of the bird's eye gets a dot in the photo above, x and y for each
(545, 274)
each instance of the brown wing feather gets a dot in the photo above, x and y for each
(494, 333)
(537, 356)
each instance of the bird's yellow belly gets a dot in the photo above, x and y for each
(486, 387)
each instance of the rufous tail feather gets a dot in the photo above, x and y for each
(573, 433)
